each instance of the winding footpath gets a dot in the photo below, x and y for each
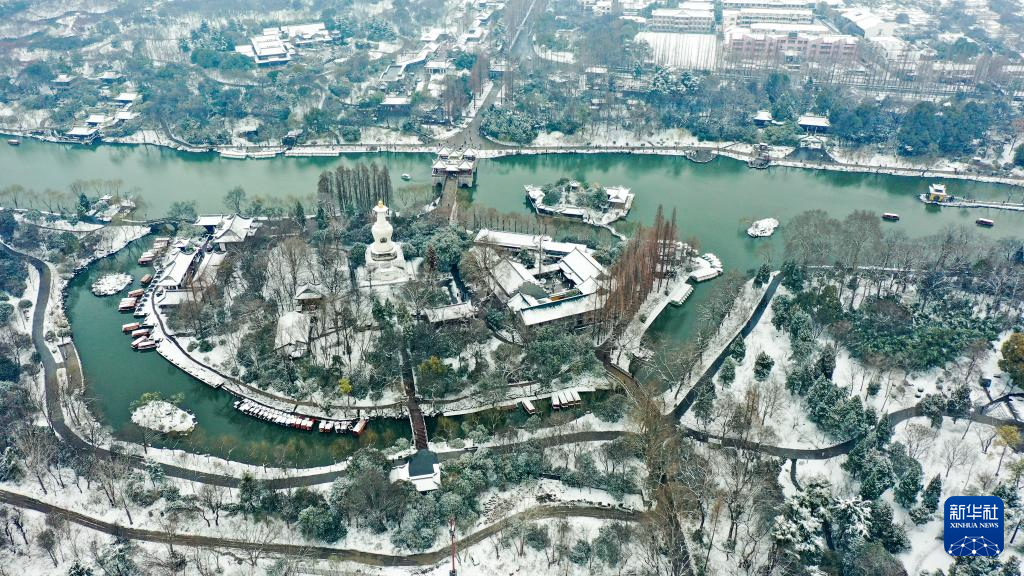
(315, 551)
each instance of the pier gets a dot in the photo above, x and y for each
(955, 202)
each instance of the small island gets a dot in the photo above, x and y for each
(163, 416)
(574, 199)
(110, 284)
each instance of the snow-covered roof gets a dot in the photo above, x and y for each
(396, 101)
(510, 275)
(449, 313)
(127, 97)
(308, 292)
(813, 121)
(82, 131)
(234, 228)
(517, 241)
(617, 194)
(209, 220)
(558, 310)
(96, 119)
(763, 116)
(579, 266)
(304, 33)
(174, 275)
(268, 45)
(292, 329)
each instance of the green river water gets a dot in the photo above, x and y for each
(713, 202)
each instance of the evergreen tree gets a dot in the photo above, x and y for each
(885, 531)
(762, 276)
(827, 362)
(738, 349)
(580, 552)
(959, 403)
(763, 367)
(932, 494)
(909, 485)
(727, 373)
(850, 522)
(933, 406)
(875, 474)
(793, 276)
(321, 523)
(321, 217)
(299, 214)
(705, 402)
(83, 204)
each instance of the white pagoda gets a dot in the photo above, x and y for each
(385, 263)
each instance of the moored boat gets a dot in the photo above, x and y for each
(14, 142)
(145, 344)
(126, 305)
(406, 177)
(890, 217)
(985, 222)
(136, 293)
(130, 327)
(145, 280)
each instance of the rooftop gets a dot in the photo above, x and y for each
(814, 121)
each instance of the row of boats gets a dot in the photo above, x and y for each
(282, 418)
(142, 335)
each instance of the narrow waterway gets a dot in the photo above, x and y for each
(116, 376)
(713, 203)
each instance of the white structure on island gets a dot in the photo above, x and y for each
(385, 263)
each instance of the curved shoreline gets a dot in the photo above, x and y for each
(262, 152)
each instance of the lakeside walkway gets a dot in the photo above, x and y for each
(489, 149)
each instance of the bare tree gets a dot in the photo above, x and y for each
(212, 499)
(954, 453)
(259, 535)
(919, 439)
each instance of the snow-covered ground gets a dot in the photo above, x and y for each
(682, 51)
(606, 135)
(785, 414)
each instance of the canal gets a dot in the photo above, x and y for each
(713, 202)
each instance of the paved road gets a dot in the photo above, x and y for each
(321, 552)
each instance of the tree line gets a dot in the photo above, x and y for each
(353, 190)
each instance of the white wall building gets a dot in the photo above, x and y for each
(687, 20)
(748, 16)
(865, 23)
